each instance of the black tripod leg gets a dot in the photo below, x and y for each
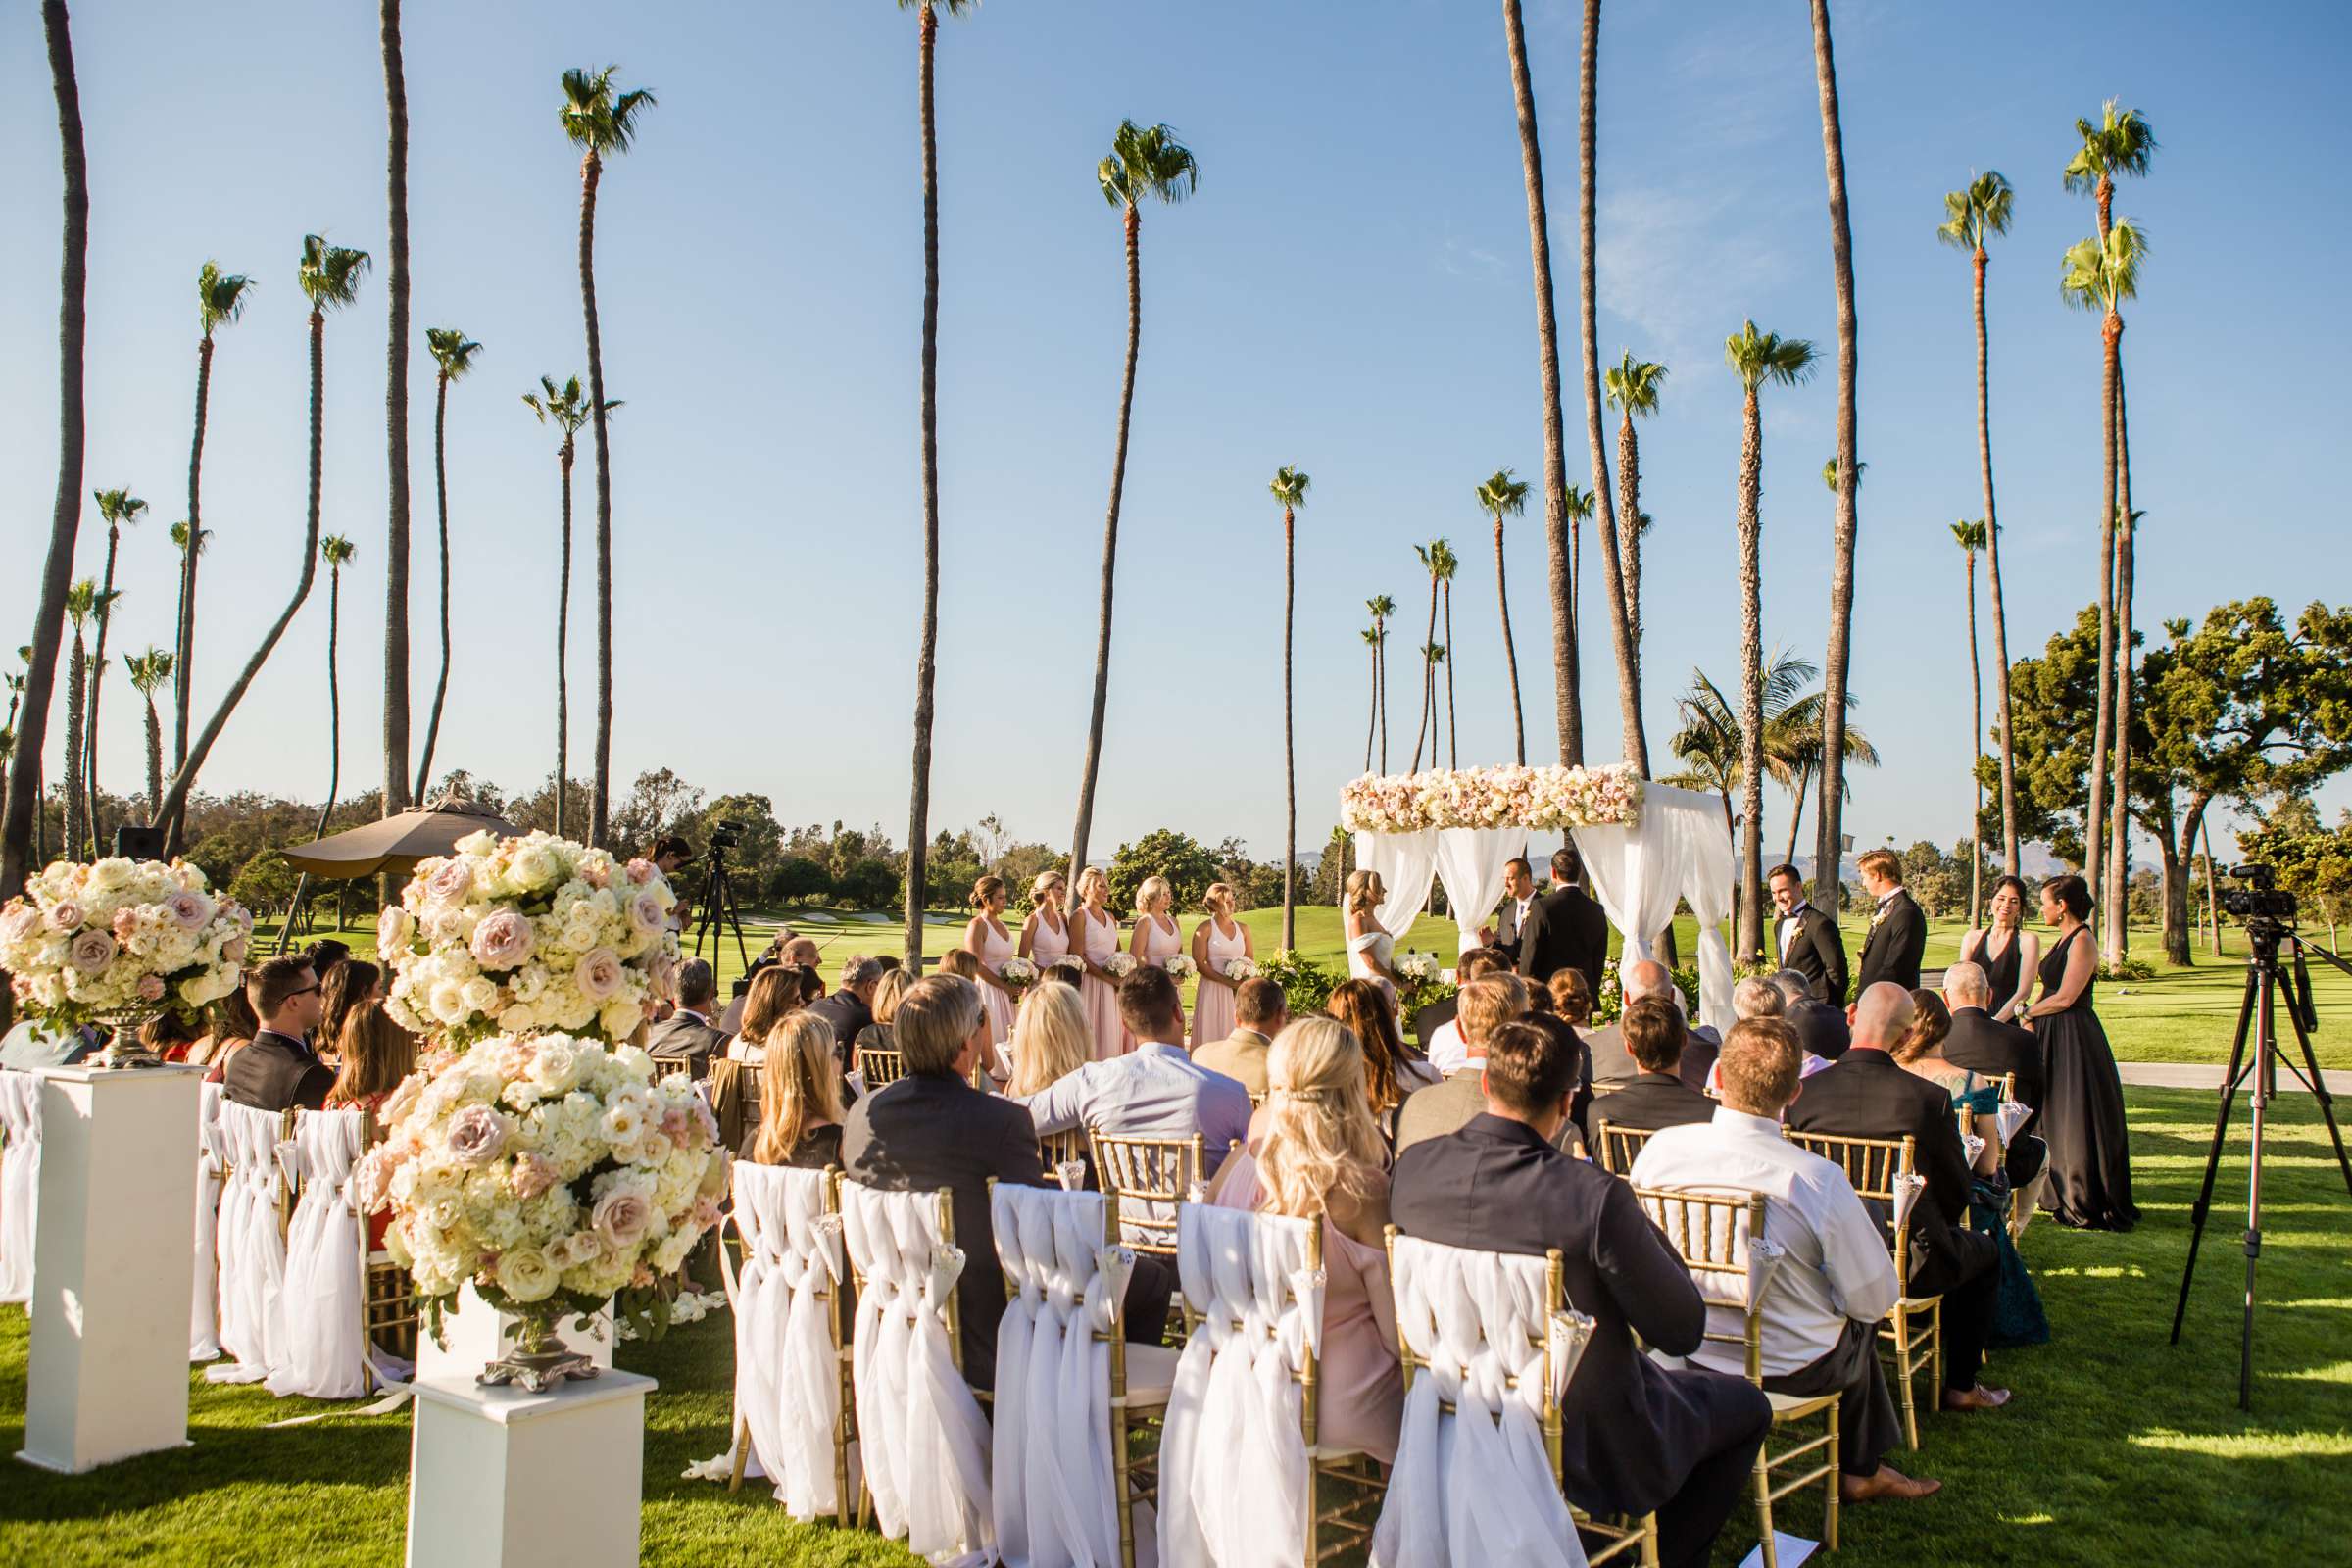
(743, 954)
(2319, 1092)
(2213, 1155)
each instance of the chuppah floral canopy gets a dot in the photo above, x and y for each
(1645, 845)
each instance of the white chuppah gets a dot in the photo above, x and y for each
(1645, 847)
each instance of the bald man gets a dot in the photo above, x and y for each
(1867, 1093)
(1614, 1066)
(784, 949)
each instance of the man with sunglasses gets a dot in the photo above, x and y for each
(279, 1070)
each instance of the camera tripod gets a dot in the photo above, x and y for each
(716, 904)
(2256, 1015)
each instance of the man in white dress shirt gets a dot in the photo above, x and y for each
(1155, 1090)
(1835, 1278)
(1445, 1049)
(1510, 921)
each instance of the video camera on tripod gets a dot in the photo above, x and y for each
(2259, 897)
(716, 907)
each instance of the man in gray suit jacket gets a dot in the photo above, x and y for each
(1259, 1012)
(688, 1038)
(1613, 1066)
(1488, 1006)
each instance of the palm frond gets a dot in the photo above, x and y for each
(1503, 494)
(1289, 486)
(335, 549)
(1829, 472)
(1577, 503)
(1147, 163)
(595, 117)
(330, 274)
(1633, 385)
(219, 296)
(451, 350)
(1756, 357)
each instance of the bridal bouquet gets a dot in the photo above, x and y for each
(514, 936)
(551, 1172)
(1238, 971)
(1018, 973)
(1542, 798)
(1418, 967)
(121, 939)
(1122, 964)
(1179, 968)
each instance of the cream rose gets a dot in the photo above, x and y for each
(598, 974)
(525, 1274)
(621, 1218)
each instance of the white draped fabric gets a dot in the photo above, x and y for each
(1470, 865)
(787, 1375)
(19, 1180)
(1056, 1494)
(321, 1352)
(1475, 1486)
(925, 1442)
(1406, 863)
(212, 1155)
(1235, 1483)
(1679, 850)
(253, 1250)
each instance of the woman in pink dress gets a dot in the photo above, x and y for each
(1321, 1158)
(987, 939)
(1097, 941)
(1158, 938)
(1217, 941)
(1044, 935)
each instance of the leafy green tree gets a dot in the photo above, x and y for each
(2311, 863)
(1183, 860)
(798, 879)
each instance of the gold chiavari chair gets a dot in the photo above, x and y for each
(879, 1066)
(1151, 1176)
(735, 1089)
(839, 1318)
(1054, 1149)
(1914, 1329)
(1619, 1146)
(387, 1296)
(1627, 1537)
(1710, 1233)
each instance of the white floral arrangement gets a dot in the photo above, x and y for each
(1179, 968)
(1238, 971)
(544, 1170)
(1540, 798)
(520, 935)
(1018, 973)
(121, 939)
(1418, 967)
(1122, 964)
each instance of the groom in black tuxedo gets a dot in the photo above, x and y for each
(1898, 931)
(1565, 928)
(1807, 940)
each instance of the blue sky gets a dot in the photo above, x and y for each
(1348, 292)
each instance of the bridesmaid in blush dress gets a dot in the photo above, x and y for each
(1096, 939)
(1217, 941)
(1044, 935)
(987, 939)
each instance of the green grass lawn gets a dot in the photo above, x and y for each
(2119, 1452)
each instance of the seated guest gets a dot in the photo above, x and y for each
(1613, 1066)
(775, 995)
(327, 956)
(932, 1129)
(962, 962)
(1866, 1094)
(1052, 1038)
(280, 1070)
(887, 993)
(800, 1098)
(1820, 1027)
(1985, 1045)
(1393, 1070)
(784, 949)
(1758, 998)
(1920, 1052)
(1260, 1011)
(1155, 1090)
(1835, 1279)
(1488, 1004)
(233, 1027)
(343, 991)
(1637, 1436)
(1653, 1036)
(1320, 1158)
(1571, 998)
(374, 1055)
(688, 1038)
(1443, 1045)
(166, 1037)
(851, 1007)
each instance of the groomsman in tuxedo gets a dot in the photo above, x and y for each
(1565, 928)
(1807, 940)
(1898, 931)
(1518, 906)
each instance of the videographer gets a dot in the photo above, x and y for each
(670, 851)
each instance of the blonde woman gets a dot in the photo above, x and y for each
(1371, 947)
(800, 1098)
(1050, 1039)
(987, 939)
(777, 993)
(1046, 935)
(1157, 938)
(1217, 941)
(1321, 1158)
(1096, 940)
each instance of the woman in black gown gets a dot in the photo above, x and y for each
(2083, 1099)
(2005, 950)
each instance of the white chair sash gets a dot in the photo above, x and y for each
(1475, 1486)
(19, 1181)
(925, 1442)
(212, 1155)
(321, 1352)
(787, 1380)
(1055, 1490)
(1235, 1485)
(252, 1248)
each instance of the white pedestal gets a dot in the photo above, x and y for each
(500, 1478)
(478, 1336)
(112, 1271)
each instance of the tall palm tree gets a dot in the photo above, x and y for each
(1289, 487)
(602, 122)
(120, 508)
(64, 518)
(220, 298)
(1560, 525)
(1713, 740)
(1973, 214)
(1757, 358)
(1144, 164)
(926, 661)
(1382, 608)
(148, 671)
(454, 355)
(1447, 563)
(1632, 387)
(396, 349)
(2099, 275)
(2119, 142)
(336, 551)
(1972, 537)
(81, 600)
(1372, 638)
(1505, 497)
(1840, 658)
(1431, 554)
(330, 280)
(566, 407)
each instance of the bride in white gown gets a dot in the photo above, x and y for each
(1371, 949)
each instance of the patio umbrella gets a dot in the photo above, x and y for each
(397, 843)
